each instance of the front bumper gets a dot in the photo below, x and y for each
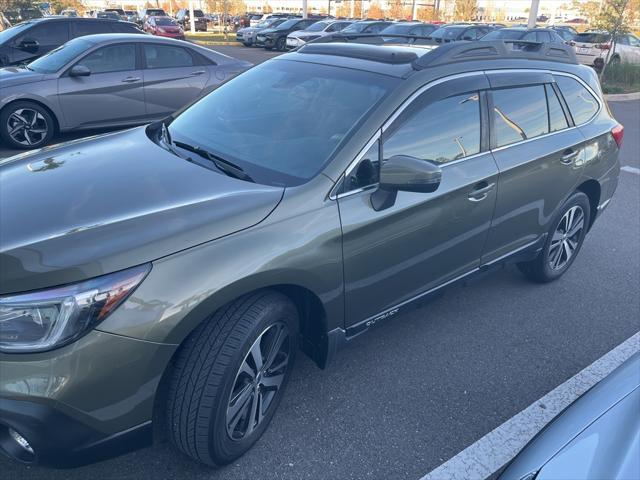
(89, 400)
(62, 441)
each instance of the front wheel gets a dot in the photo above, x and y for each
(281, 44)
(229, 377)
(563, 243)
(26, 125)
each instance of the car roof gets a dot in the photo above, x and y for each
(137, 37)
(404, 60)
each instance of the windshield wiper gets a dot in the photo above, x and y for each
(222, 164)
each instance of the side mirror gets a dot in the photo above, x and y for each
(408, 174)
(79, 71)
(29, 45)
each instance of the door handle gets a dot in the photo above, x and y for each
(195, 74)
(481, 191)
(568, 155)
(131, 79)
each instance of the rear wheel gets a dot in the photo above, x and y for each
(26, 125)
(563, 243)
(229, 377)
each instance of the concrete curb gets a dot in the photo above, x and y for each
(622, 97)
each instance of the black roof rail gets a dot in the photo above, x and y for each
(447, 52)
(496, 49)
(360, 51)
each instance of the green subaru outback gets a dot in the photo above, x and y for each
(158, 282)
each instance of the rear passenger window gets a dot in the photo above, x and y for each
(519, 114)
(557, 120)
(443, 131)
(582, 105)
(91, 27)
(163, 56)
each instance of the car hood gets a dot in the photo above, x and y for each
(99, 205)
(303, 34)
(597, 415)
(11, 76)
(270, 30)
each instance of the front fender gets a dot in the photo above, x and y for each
(184, 289)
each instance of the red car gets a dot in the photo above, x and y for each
(164, 27)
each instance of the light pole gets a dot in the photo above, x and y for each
(304, 8)
(533, 13)
(192, 19)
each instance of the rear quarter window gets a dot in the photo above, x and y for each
(582, 105)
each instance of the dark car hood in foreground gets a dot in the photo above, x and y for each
(10, 76)
(99, 205)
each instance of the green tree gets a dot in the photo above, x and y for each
(465, 10)
(615, 17)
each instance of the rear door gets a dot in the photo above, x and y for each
(423, 239)
(112, 94)
(173, 76)
(539, 155)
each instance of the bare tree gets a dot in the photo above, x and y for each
(465, 10)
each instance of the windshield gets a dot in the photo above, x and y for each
(164, 21)
(287, 24)
(448, 33)
(592, 37)
(155, 13)
(399, 29)
(504, 34)
(355, 28)
(12, 31)
(282, 121)
(198, 13)
(317, 27)
(58, 58)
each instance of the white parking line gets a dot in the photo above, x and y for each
(495, 449)
(629, 169)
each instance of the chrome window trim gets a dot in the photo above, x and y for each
(424, 88)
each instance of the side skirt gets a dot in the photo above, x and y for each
(339, 337)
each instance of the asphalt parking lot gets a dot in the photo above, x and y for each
(416, 390)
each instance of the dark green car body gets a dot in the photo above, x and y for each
(92, 207)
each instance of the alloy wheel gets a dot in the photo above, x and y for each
(566, 238)
(27, 126)
(258, 381)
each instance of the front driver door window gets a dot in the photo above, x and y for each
(111, 94)
(423, 239)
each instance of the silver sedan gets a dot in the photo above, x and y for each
(105, 80)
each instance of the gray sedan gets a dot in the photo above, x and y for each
(105, 80)
(597, 437)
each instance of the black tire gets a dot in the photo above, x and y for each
(615, 60)
(542, 269)
(44, 120)
(281, 44)
(268, 48)
(207, 370)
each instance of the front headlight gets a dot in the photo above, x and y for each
(46, 319)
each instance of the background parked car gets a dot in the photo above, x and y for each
(184, 20)
(276, 37)
(567, 33)
(367, 26)
(543, 35)
(247, 36)
(18, 15)
(151, 12)
(592, 48)
(164, 27)
(453, 33)
(121, 13)
(132, 16)
(108, 15)
(409, 28)
(69, 13)
(31, 39)
(316, 30)
(105, 81)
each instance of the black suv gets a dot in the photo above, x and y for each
(200, 21)
(276, 37)
(29, 40)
